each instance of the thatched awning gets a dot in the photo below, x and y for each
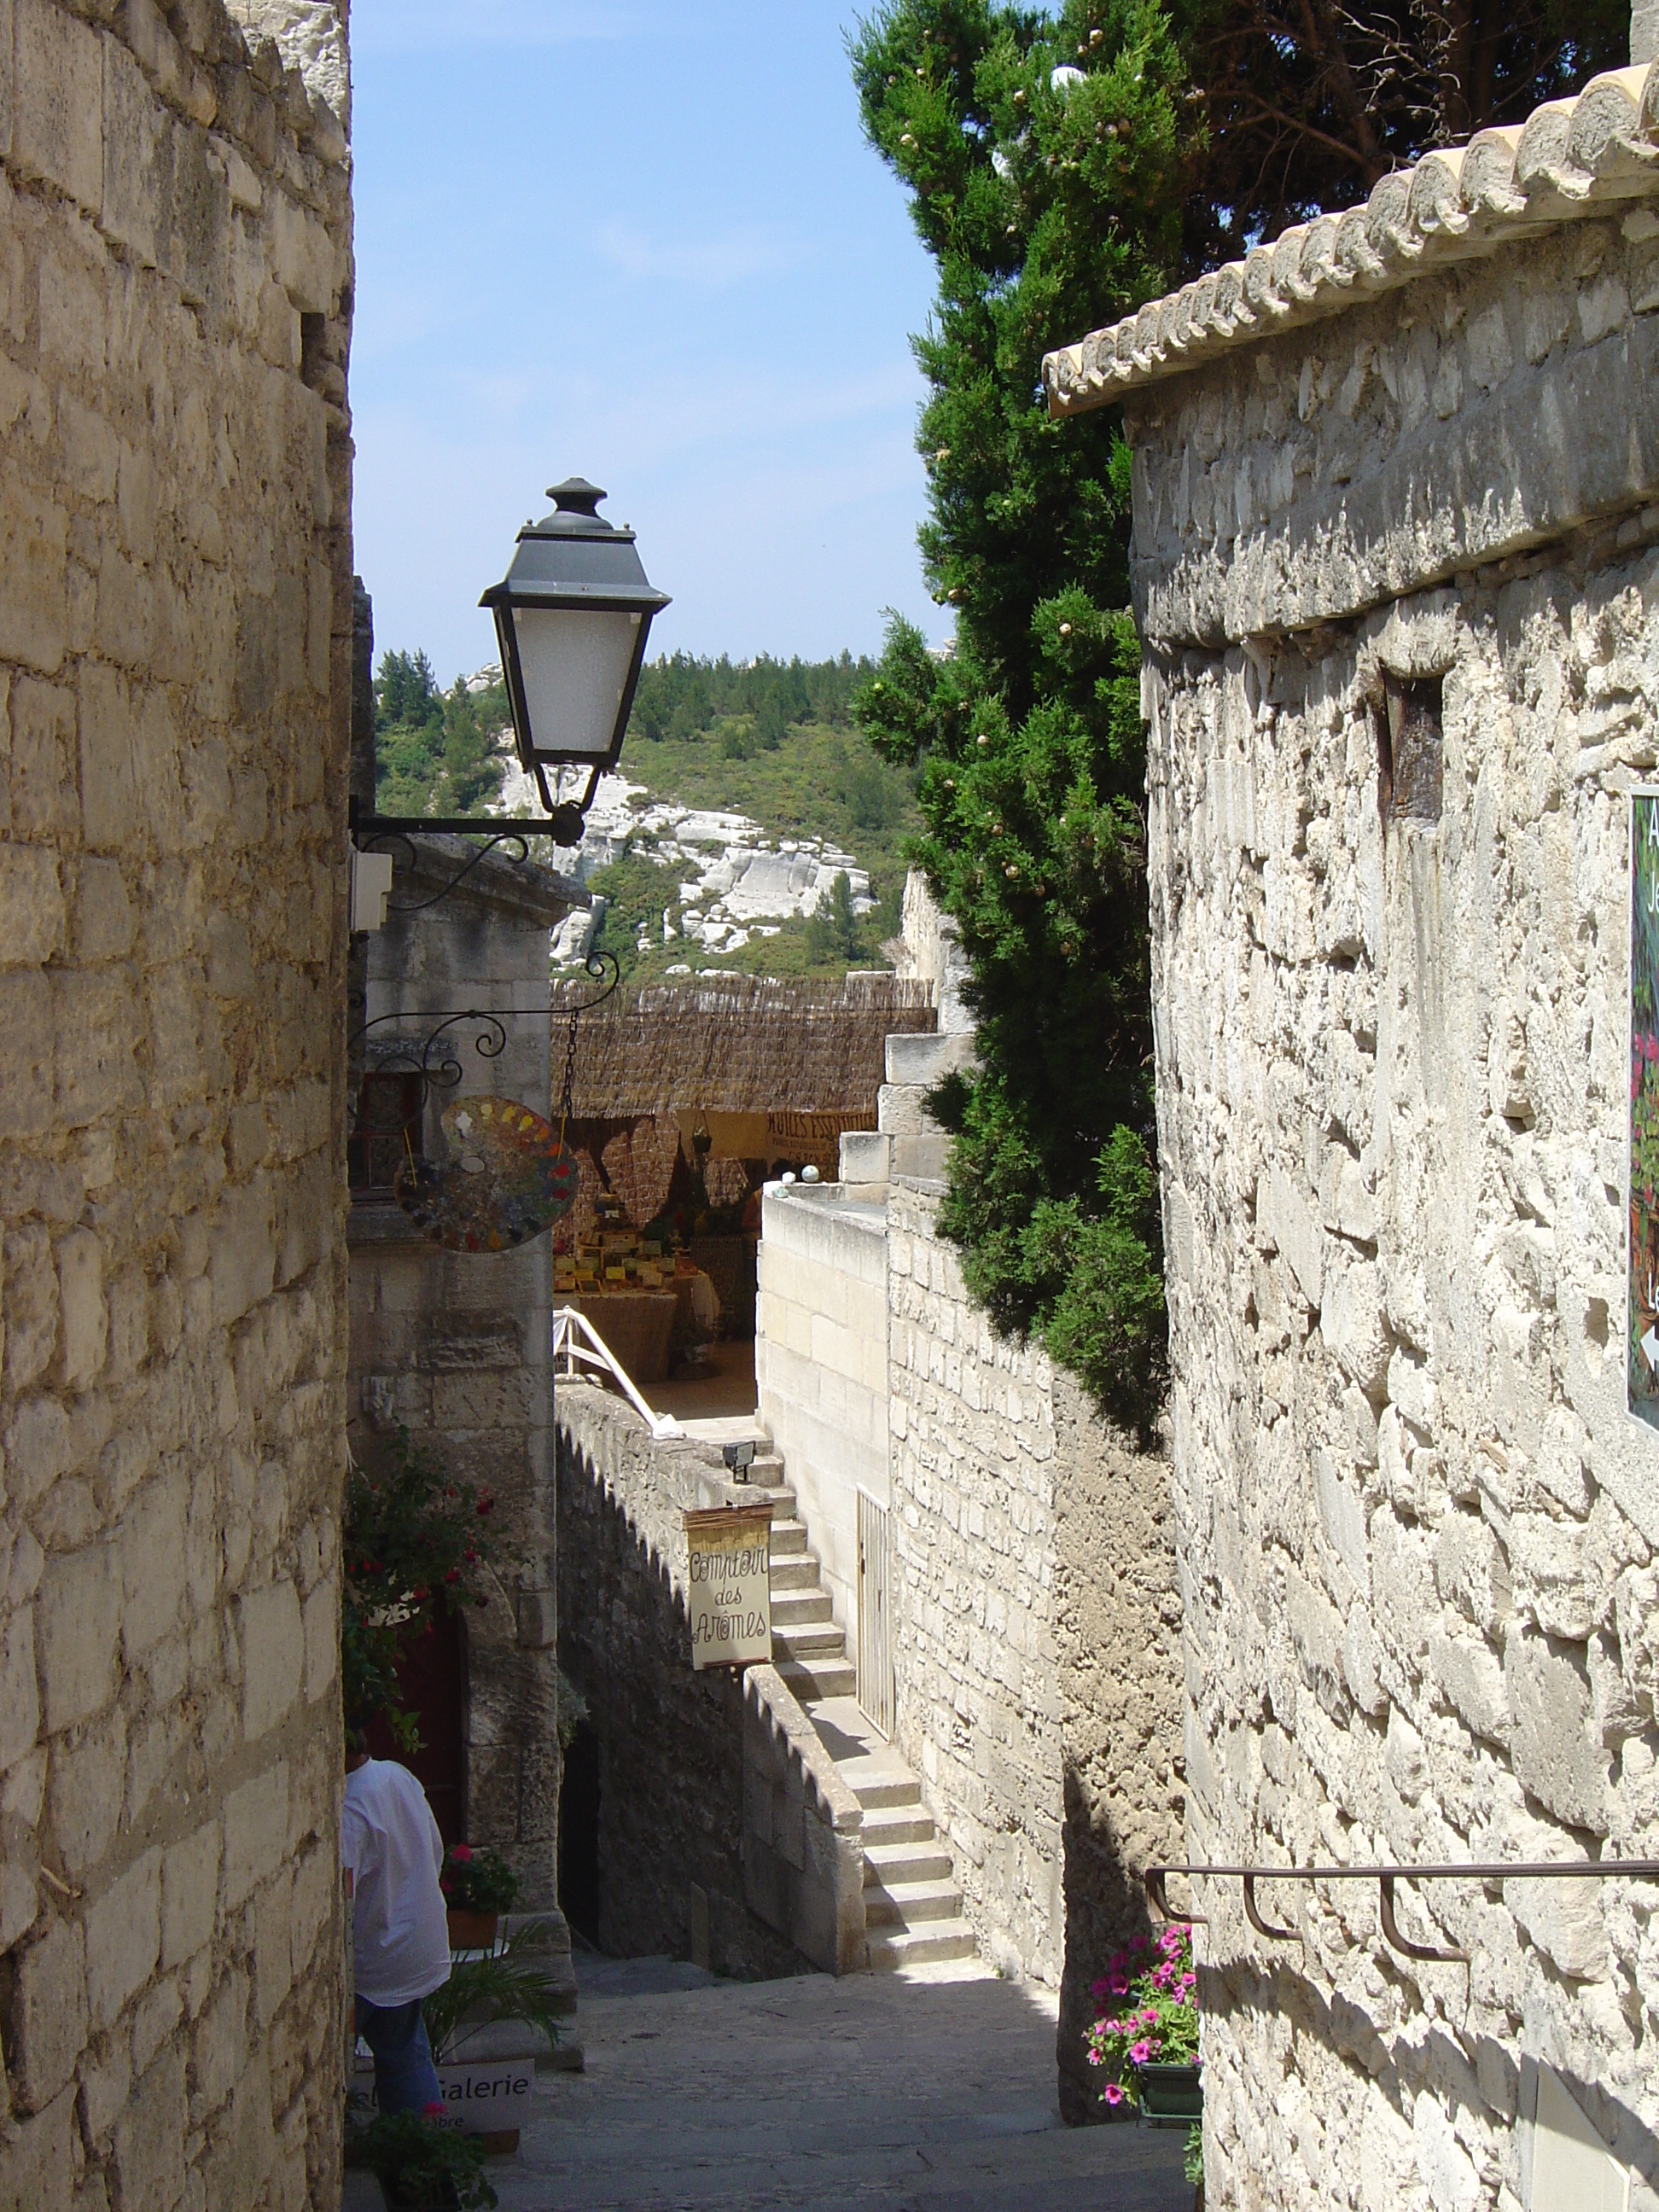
(739, 1044)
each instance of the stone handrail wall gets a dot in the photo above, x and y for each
(713, 1787)
(803, 1843)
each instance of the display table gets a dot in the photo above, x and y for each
(637, 1326)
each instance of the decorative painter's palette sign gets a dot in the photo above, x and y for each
(508, 1177)
(730, 1551)
(1641, 1320)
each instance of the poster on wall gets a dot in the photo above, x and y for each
(1642, 1299)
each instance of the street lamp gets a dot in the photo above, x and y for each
(573, 614)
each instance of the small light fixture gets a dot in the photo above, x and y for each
(571, 614)
(739, 1458)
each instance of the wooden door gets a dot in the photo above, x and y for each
(875, 1660)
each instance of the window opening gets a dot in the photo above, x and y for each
(1409, 751)
(388, 1129)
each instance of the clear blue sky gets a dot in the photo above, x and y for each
(643, 241)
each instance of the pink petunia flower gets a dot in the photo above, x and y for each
(1114, 2094)
(1141, 2052)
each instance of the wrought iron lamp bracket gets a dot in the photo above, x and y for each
(511, 836)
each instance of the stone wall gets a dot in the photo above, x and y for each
(821, 1365)
(1035, 1634)
(1417, 1526)
(175, 613)
(455, 1347)
(670, 1741)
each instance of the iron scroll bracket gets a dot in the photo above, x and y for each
(1157, 1877)
(509, 836)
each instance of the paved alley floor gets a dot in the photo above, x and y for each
(931, 2090)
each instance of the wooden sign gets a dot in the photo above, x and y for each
(730, 1550)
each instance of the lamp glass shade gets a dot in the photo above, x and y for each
(574, 664)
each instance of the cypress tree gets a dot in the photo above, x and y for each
(1047, 154)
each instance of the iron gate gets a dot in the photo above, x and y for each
(875, 1631)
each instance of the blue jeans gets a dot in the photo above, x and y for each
(405, 2079)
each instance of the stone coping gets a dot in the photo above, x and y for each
(1571, 159)
(794, 1735)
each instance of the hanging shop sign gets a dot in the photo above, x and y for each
(730, 1558)
(508, 1176)
(1642, 1299)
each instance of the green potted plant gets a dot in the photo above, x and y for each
(511, 1983)
(424, 2166)
(1146, 2045)
(478, 1887)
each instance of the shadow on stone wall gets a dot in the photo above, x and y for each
(1105, 1905)
(1117, 1626)
(668, 1744)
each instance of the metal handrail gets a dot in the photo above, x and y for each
(567, 1320)
(1385, 1877)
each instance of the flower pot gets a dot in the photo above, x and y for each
(1171, 2096)
(397, 2200)
(472, 1931)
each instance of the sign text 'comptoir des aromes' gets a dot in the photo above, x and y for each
(730, 1551)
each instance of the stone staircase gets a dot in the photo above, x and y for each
(912, 1906)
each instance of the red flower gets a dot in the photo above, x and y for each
(421, 1596)
(434, 2111)
(444, 1886)
(463, 1852)
(453, 1575)
(486, 1507)
(472, 1557)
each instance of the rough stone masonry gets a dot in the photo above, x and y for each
(1394, 557)
(175, 631)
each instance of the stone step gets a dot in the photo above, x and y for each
(823, 1678)
(906, 1904)
(926, 1859)
(890, 1947)
(885, 1826)
(781, 1499)
(766, 1467)
(812, 1640)
(888, 1789)
(798, 1608)
(793, 1571)
(788, 1536)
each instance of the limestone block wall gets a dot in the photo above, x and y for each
(1416, 1526)
(1035, 1634)
(821, 1365)
(175, 284)
(455, 1347)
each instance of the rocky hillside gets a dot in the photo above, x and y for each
(752, 829)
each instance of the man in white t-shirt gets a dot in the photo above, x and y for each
(390, 1841)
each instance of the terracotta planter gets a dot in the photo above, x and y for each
(1170, 2096)
(472, 1931)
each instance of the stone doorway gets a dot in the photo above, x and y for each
(432, 1685)
(579, 1833)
